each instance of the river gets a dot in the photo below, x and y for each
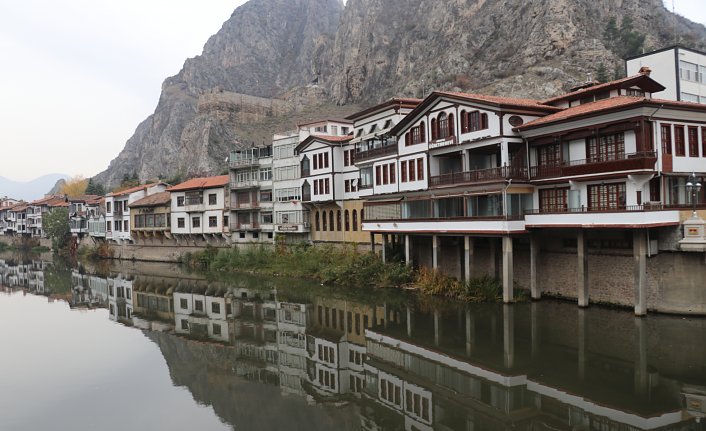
(149, 346)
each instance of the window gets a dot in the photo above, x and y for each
(378, 175)
(444, 126)
(108, 226)
(330, 220)
(118, 225)
(348, 221)
(212, 199)
(385, 174)
(325, 160)
(552, 200)
(666, 132)
(393, 171)
(416, 135)
(703, 142)
(325, 224)
(107, 206)
(198, 305)
(693, 142)
(216, 329)
(183, 304)
(317, 221)
(412, 170)
(688, 71)
(180, 201)
(473, 121)
(355, 220)
(549, 155)
(609, 147)
(689, 97)
(679, 146)
(128, 293)
(403, 171)
(180, 223)
(265, 174)
(195, 222)
(126, 225)
(216, 307)
(606, 196)
(420, 169)
(213, 221)
(185, 324)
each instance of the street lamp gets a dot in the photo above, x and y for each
(693, 186)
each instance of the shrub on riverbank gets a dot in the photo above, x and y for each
(99, 251)
(329, 264)
(341, 266)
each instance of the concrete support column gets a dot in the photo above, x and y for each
(508, 274)
(437, 328)
(468, 257)
(372, 242)
(582, 249)
(410, 316)
(640, 253)
(492, 268)
(408, 250)
(581, 342)
(535, 290)
(508, 336)
(435, 252)
(470, 333)
(384, 247)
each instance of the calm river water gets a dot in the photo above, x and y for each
(150, 347)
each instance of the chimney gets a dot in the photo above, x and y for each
(644, 70)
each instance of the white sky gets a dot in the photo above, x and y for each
(78, 76)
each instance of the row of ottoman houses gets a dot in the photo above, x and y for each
(455, 181)
(418, 368)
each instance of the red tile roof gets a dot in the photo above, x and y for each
(156, 199)
(132, 189)
(331, 138)
(201, 183)
(642, 79)
(585, 109)
(498, 100)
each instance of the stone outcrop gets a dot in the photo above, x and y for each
(275, 62)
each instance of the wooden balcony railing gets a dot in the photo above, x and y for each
(619, 162)
(588, 209)
(375, 152)
(479, 176)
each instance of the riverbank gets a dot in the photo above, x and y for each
(340, 266)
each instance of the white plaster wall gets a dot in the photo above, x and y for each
(663, 71)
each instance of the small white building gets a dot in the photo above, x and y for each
(201, 206)
(117, 211)
(681, 70)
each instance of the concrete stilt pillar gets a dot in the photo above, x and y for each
(437, 328)
(468, 257)
(372, 242)
(534, 330)
(508, 336)
(508, 274)
(535, 290)
(410, 322)
(581, 341)
(408, 250)
(582, 248)
(435, 252)
(640, 253)
(641, 375)
(492, 267)
(470, 333)
(384, 247)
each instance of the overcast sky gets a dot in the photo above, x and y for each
(77, 76)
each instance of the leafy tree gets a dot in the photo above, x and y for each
(74, 187)
(601, 73)
(56, 225)
(94, 188)
(624, 40)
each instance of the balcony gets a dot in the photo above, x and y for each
(479, 176)
(245, 184)
(246, 205)
(646, 215)
(246, 226)
(622, 162)
(386, 150)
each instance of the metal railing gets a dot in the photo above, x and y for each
(616, 162)
(479, 175)
(375, 152)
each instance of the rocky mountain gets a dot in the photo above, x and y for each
(30, 190)
(277, 62)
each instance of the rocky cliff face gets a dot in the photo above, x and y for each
(303, 58)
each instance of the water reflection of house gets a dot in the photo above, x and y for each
(202, 313)
(255, 331)
(292, 321)
(466, 370)
(120, 303)
(88, 291)
(154, 303)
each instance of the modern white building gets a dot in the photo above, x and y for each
(120, 298)
(200, 207)
(117, 210)
(251, 195)
(681, 70)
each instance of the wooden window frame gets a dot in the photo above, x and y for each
(679, 141)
